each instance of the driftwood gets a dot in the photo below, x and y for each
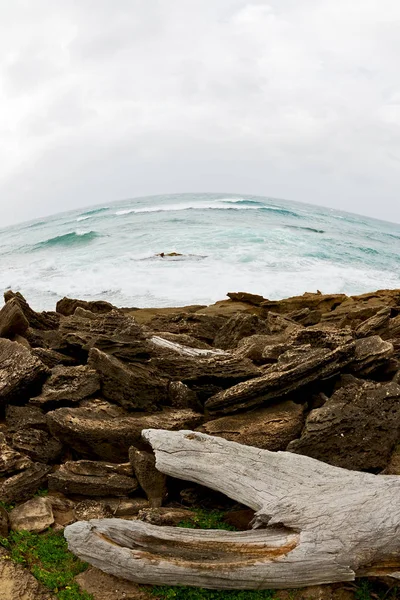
(314, 523)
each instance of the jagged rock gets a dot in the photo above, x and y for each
(150, 480)
(254, 299)
(102, 586)
(305, 316)
(4, 523)
(23, 486)
(38, 445)
(184, 339)
(35, 515)
(87, 478)
(240, 326)
(67, 306)
(181, 396)
(270, 428)
(322, 302)
(24, 417)
(11, 461)
(12, 320)
(376, 325)
(198, 325)
(128, 507)
(51, 358)
(134, 387)
(92, 509)
(109, 434)
(253, 347)
(16, 583)
(165, 516)
(393, 331)
(357, 428)
(370, 354)
(67, 385)
(63, 509)
(43, 320)
(21, 373)
(294, 370)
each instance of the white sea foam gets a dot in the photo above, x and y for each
(83, 218)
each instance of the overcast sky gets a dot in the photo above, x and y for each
(103, 100)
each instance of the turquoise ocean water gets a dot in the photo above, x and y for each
(229, 243)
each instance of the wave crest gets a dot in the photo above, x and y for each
(73, 238)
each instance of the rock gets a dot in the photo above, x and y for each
(270, 428)
(371, 354)
(91, 479)
(184, 339)
(128, 507)
(35, 515)
(51, 358)
(198, 325)
(44, 320)
(63, 509)
(254, 299)
(16, 583)
(108, 435)
(67, 306)
(240, 326)
(305, 316)
(318, 592)
(67, 385)
(92, 509)
(150, 480)
(357, 428)
(12, 320)
(11, 461)
(134, 387)
(4, 523)
(376, 325)
(181, 396)
(321, 302)
(393, 467)
(24, 417)
(294, 370)
(21, 373)
(253, 347)
(102, 586)
(240, 519)
(165, 516)
(38, 445)
(22, 486)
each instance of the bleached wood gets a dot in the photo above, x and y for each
(314, 524)
(186, 350)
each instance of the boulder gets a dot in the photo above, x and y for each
(67, 306)
(21, 373)
(357, 428)
(12, 320)
(87, 478)
(240, 326)
(39, 445)
(181, 396)
(52, 358)
(17, 583)
(166, 516)
(305, 316)
(23, 485)
(376, 325)
(92, 509)
(371, 353)
(43, 320)
(11, 461)
(103, 432)
(150, 479)
(63, 509)
(321, 302)
(198, 325)
(270, 428)
(35, 515)
(254, 299)
(67, 385)
(294, 370)
(24, 417)
(253, 347)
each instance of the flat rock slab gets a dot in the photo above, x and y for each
(35, 515)
(67, 385)
(16, 583)
(11, 461)
(23, 485)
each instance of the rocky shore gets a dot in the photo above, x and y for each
(316, 374)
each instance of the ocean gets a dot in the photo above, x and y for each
(227, 243)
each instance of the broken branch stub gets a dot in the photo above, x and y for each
(314, 523)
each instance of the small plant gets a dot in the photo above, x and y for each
(187, 593)
(42, 492)
(7, 506)
(206, 519)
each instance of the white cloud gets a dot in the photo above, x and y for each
(103, 100)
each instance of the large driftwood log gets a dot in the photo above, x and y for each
(314, 523)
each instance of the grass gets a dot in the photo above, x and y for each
(47, 557)
(207, 519)
(186, 593)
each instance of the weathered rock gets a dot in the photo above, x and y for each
(318, 592)
(184, 339)
(21, 373)
(44, 320)
(305, 316)
(67, 306)
(12, 320)
(35, 515)
(88, 478)
(11, 461)
(270, 428)
(371, 354)
(63, 509)
(181, 396)
(150, 479)
(357, 428)
(254, 299)
(67, 385)
(322, 302)
(102, 586)
(253, 347)
(165, 516)
(198, 325)
(23, 486)
(128, 507)
(107, 434)
(134, 387)
(92, 509)
(294, 370)
(4, 525)
(240, 326)
(51, 358)
(376, 325)
(24, 417)
(16, 583)
(38, 445)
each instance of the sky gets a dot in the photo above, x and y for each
(104, 100)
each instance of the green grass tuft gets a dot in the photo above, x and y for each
(187, 593)
(206, 519)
